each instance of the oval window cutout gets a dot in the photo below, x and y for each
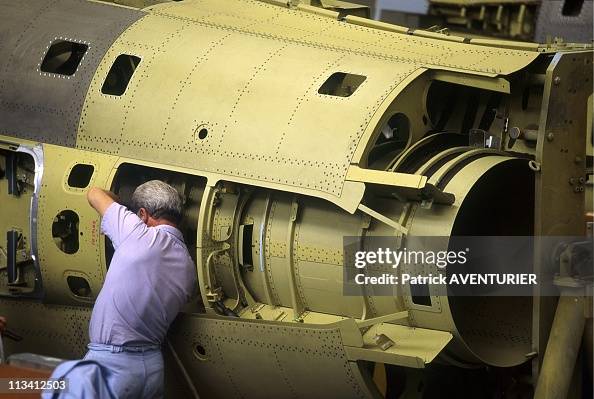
(79, 286)
(200, 352)
(80, 175)
(65, 231)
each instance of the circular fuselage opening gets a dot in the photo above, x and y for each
(496, 328)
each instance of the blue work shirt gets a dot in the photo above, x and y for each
(150, 278)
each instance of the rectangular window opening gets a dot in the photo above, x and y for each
(246, 232)
(63, 57)
(341, 84)
(572, 8)
(80, 175)
(420, 294)
(190, 187)
(120, 75)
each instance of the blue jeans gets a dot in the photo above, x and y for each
(137, 371)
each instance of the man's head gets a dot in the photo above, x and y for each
(156, 202)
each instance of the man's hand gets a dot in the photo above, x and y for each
(2, 323)
(101, 199)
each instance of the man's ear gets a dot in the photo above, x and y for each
(143, 215)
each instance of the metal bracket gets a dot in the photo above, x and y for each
(408, 187)
(382, 319)
(12, 241)
(296, 302)
(11, 174)
(376, 215)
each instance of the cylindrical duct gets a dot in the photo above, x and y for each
(494, 196)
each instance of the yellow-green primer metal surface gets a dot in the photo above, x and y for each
(249, 73)
(56, 196)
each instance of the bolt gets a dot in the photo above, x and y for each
(550, 136)
(572, 180)
(576, 189)
(557, 80)
(582, 180)
(515, 132)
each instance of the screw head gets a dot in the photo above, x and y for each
(572, 180)
(550, 136)
(557, 80)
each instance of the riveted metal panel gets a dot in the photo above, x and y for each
(56, 196)
(567, 89)
(261, 125)
(58, 331)
(242, 358)
(42, 106)
(249, 73)
(302, 28)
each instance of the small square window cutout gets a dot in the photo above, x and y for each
(341, 84)
(63, 57)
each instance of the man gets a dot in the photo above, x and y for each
(150, 278)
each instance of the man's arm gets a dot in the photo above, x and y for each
(100, 199)
(117, 222)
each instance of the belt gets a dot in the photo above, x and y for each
(124, 348)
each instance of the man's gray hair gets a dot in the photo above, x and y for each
(159, 199)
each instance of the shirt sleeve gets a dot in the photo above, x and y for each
(119, 223)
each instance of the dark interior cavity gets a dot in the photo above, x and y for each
(495, 326)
